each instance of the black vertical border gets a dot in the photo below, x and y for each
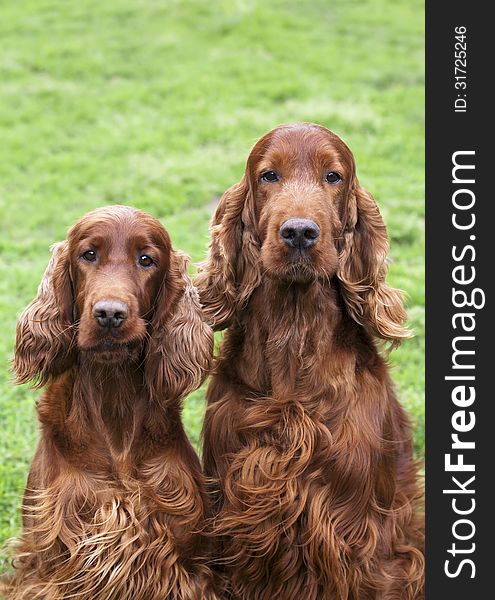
(446, 133)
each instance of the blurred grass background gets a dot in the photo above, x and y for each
(156, 105)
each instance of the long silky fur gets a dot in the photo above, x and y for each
(45, 331)
(177, 356)
(109, 544)
(316, 491)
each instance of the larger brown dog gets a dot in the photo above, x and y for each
(115, 500)
(307, 445)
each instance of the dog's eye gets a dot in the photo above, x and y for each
(146, 261)
(333, 177)
(269, 176)
(89, 256)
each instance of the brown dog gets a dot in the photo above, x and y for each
(115, 500)
(308, 448)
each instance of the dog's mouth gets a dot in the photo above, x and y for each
(109, 345)
(292, 265)
(298, 268)
(112, 343)
(110, 350)
(299, 274)
(316, 262)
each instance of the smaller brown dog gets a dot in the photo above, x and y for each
(114, 504)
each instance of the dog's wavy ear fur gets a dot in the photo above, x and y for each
(231, 271)
(180, 347)
(45, 331)
(363, 268)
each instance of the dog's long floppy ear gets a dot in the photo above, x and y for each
(45, 331)
(180, 348)
(363, 268)
(231, 271)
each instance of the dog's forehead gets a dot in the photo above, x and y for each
(119, 229)
(302, 146)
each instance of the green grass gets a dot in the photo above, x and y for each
(156, 104)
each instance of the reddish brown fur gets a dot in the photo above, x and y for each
(115, 501)
(308, 449)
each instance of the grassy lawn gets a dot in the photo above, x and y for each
(156, 104)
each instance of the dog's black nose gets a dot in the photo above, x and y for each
(300, 233)
(110, 313)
